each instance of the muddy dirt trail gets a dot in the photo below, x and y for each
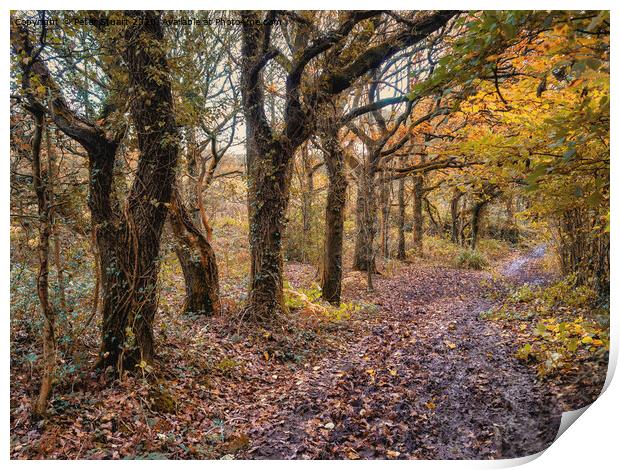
(428, 379)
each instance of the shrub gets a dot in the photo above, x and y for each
(300, 298)
(525, 293)
(309, 300)
(568, 293)
(561, 321)
(471, 259)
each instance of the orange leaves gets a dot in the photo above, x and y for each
(421, 128)
(271, 88)
(431, 405)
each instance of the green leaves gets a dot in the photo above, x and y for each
(538, 171)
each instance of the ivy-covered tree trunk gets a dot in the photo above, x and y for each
(454, 214)
(131, 259)
(269, 164)
(418, 216)
(365, 219)
(45, 230)
(331, 282)
(400, 221)
(270, 174)
(197, 259)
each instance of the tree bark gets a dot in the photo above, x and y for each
(45, 230)
(400, 222)
(365, 215)
(269, 182)
(331, 282)
(418, 217)
(476, 214)
(197, 259)
(454, 214)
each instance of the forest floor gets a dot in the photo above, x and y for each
(417, 374)
(427, 378)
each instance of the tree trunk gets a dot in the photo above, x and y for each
(130, 255)
(476, 214)
(60, 278)
(385, 201)
(418, 218)
(365, 215)
(331, 282)
(49, 315)
(269, 186)
(197, 259)
(400, 252)
(454, 214)
(307, 193)
(436, 223)
(359, 258)
(94, 310)
(269, 162)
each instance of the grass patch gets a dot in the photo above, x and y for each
(471, 259)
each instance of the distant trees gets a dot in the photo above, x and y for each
(270, 151)
(379, 144)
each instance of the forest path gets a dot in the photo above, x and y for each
(428, 379)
